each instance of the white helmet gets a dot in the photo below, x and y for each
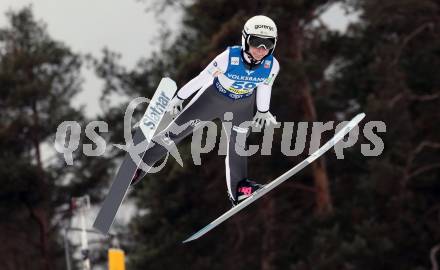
(261, 31)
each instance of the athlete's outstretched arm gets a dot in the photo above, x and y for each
(264, 90)
(219, 64)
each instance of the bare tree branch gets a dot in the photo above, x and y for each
(411, 36)
(425, 97)
(413, 97)
(423, 170)
(411, 157)
(425, 144)
(395, 99)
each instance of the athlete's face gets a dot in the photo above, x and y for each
(258, 53)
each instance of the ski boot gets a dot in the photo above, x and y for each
(245, 189)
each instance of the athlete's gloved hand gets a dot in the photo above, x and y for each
(261, 118)
(175, 105)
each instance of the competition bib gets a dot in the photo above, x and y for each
(238, 81)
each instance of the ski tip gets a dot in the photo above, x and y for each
(98, 228)
(191, 238)
(170, 81)
(360, 116)
(187, 240)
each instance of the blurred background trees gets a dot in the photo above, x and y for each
(356, 213)
(38, 78)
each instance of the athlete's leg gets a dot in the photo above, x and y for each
(236, 161)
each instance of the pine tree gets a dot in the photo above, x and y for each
(39, 77)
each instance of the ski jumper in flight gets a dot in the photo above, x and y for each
(237, 80)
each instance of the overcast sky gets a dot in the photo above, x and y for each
(123, 26)
(87, 26)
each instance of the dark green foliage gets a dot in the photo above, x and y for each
(38, 79)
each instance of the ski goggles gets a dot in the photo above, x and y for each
(257, 42)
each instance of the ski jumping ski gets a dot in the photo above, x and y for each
(148, 126)
(261, 192)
